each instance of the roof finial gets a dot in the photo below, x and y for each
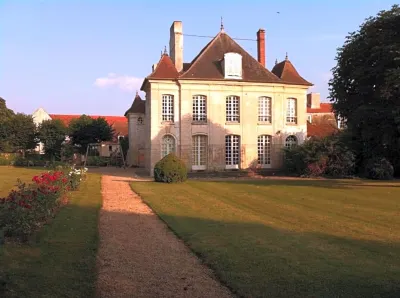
(276, 61)
(165, 50)
(286, 58)
(137, 93)
(161, 53)
(222, 25)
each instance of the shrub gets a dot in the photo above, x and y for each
(170, 169)
(379, 168)
(7, 159)
(97, 161)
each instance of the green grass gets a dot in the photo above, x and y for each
(293, 238)
(61, 261)
(9, 175)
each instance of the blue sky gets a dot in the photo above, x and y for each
(75, 57)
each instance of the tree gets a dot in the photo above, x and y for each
(52, 134)
(365, 88)
(21, 132)
(5, 115)
(86, 130)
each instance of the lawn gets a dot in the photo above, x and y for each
(9, 175)
(289, 238)
(61, 260)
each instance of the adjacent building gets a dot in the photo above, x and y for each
(224, 110)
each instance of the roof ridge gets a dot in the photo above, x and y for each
(158, 64)
(201, 53)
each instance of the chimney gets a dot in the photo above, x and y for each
(261, 46)
(176, 45)
(313, 100)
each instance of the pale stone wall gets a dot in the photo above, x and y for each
(39, 116)
(216, 128)
(136, 135)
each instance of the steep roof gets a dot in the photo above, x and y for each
(324, 108)
(207, 64)
(288, 73)
(165, 69)
(138, 106)
(321, 130)
(119, 123)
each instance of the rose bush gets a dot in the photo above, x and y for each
(29, 206)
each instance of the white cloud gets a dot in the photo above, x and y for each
(122, 82)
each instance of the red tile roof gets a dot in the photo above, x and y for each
(165, 69)
(321, 130)
(288, 73)
(119, 123)
(324, 108)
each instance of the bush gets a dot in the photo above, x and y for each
(170, 169)
(97, 161)
(320, 157)
(379, 168)
(7, 159)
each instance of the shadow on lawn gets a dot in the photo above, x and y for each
(256, 260)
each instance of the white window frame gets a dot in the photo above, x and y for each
(232, 109)
(265, 109)
(168, 145)
(199, 108)
(290, 141)
(264, 146)
(232, 152)
(232, 65)
(309, 118)
(167, 108)
(291, 111)
(199, 152)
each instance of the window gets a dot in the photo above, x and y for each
(232, 65)
(168, 108)
(264, 150)
(199, 152)
(264, 109)
(140, 121)
(168, 145)
(232, 109)
(290, 141)
(199, 108)
(309, 118)
(232, 151)
(110, 148)
(291, 112)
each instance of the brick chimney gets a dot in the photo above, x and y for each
(261, 46)
(313, 100)
(176, 44)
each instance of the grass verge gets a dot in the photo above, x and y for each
(293, 238)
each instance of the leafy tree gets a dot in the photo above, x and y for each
(52, 134)
(5, 115)
(365, 88)
(21, 132)
(86, 130)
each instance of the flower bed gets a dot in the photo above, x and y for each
(29, 206)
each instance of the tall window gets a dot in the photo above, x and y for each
(199, 152)
(232, 109)
(168, 145)
(232, 151)
(264, 109)
(168, 108)
(290, 141)
(199, 108)
(264, 150)
(291, 110)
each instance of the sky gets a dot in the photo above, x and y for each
(90, 57)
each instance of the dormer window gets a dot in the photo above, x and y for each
(232, 66)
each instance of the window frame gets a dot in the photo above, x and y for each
(265, 148)
(199, 103)
(289, 145)
(231, 165)
(164, 146)
(231, 107)
(199, 162)
(167, 108)
(264, 110)
(291, 112)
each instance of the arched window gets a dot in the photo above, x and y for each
(168, 145)
(199, 152)
(290, 141)
(291, 111)
(264, 150)
(264, 109)
(233, 109)
(232, 151)
(140, 121)
(199, 108)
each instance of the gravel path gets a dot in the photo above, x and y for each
(140, 257)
